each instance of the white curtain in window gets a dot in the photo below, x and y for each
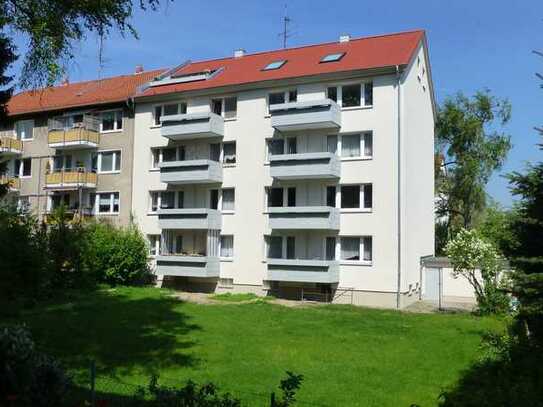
(368, 144)
(227, 246)
(350, 248)
(228, 199)
(350, 145)
(368, 248)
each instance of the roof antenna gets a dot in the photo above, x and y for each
(286, 33)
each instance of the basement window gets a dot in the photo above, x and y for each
(332, 57)
(274, 65)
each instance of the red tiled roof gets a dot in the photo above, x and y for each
(78, 94)
(362, 53)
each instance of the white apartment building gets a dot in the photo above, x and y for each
(303, 172)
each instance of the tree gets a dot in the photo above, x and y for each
(469, 150)
(479, 262)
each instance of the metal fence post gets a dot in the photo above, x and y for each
(93, 383)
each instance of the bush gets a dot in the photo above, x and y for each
(480, 263)
(116, 255)
(27, 377)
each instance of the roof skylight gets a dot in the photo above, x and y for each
(332, 57)
(274, 65)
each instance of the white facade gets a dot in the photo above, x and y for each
(397, 162)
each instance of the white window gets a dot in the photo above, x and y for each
(24, 129)
(353, 247)
(107, 162)
(229, 153)
(23, 168)
(357, 145)
(166, 154)
(165, 200)
(287, 96)
(357, 196)
(228, 199)
(352, 95)
(107, 203)
(226, 107)
(227, 246)
(111, 121)
(168, 110)
(154, 244)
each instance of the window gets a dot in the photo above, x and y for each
(168, 110)
(180, 199)
(353, 145)
(108, 161)
(330, 248)
(274, 65)
(228, 199)
(276, 147)
(350, 248)
(353, 195)
(215, 151)
(179, 244)
(23, 168)
(276, 98)
(291, 247)
(292, 147)
(154, 244)
(167, 200)
(214, 199)
(331, 144)
(350, 196)
(275, 247)
(24, 129)
(111, 121)
(230, 107)
(350, 145)
(169, 154)
(353, 247)
(154, 200)
(227, 246)
(229, 153)
(275, 197)
(291, 196)
(216, 106)
(107, 202)
(350, 95)
(331, 196)
(58, 200)
(332, 57)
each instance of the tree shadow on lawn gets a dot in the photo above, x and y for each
(124, 334)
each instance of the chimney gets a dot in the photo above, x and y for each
(344, 38)
(139, 69)
(239, 53)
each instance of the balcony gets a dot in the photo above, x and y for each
(196, 218)
(309, 115)
(304, 217)
(70, 179)
(10, 146)
(64, 134)
(190, 172)
(193, 126)
(14, 184)
(321, 165)
(303, 271)
(188, 266)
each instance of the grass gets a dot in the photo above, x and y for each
(349, 356)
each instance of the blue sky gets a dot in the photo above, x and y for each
(473, 45)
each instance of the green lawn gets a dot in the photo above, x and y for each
(348, 356)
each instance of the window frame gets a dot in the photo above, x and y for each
(362, 240)
(286, 96)
(227, 258)
(150, 238)
(230, 164)
(96, 205)
(222, 99)
(117, 156)
(160, 155)
(161, 105)
(275, 65)
(339, 94)
(285, 189)
(361, 198)
(221, 203)
(24, 121)
(115, 129)
(159, 196)
(362, 146)
(20, 170)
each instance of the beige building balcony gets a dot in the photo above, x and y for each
(10, 146)
(14, 184)
(71, 179)
(66, 134)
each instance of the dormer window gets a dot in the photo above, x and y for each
(332, 57)
(274, 65)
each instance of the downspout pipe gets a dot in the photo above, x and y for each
(398, 175)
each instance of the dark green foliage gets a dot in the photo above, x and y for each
(27, 376)
(289, 387)
(116, 255)
(469, 149)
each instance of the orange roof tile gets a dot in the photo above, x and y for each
(362, 53)
(78, 94)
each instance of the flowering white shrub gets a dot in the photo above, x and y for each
(480, 263)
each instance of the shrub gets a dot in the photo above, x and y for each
(480, 263)
(116, 255)
(27, 377)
